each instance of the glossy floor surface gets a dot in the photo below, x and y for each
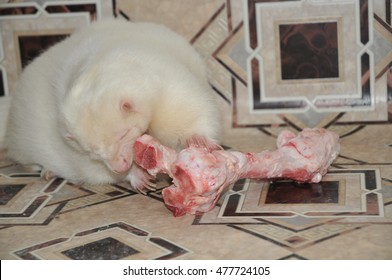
(273, 65)
(346, 216)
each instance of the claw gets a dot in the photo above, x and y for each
(47, 174)
(151, 186)
(141, 191)
(140, 180)
(148, 185)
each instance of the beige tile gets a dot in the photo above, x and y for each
(369, 242)
(73, 216)
(186, 17)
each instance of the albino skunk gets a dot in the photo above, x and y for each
(79, 106)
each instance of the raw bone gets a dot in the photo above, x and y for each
(200, 173)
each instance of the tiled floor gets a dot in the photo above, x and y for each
(343, 83)
(347, 216)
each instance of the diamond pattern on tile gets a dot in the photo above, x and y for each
(319, 109)
(103, 249)
(353, 194)
(382, 45)
(82, 196)
(296, 240)
(270, 92)
(232, 54)
(303, 228)
(363, 202)
(27, 198)
(7, 192)
(114, 241)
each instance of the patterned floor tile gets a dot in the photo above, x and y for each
(265, 83)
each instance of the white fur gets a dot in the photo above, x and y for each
(66, 112)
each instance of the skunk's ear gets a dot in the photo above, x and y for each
(126, 106)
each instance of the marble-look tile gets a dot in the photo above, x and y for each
(348, 216)
(152, 218)
(371, 242)
(167, 12)
(369, 144)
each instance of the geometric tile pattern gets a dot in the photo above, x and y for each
(104, 249)
(27, 203)
(356, 194)
(8, 192)
(28, 28)
(275, 32)
(111, 242)
(343, 39)
(275, 65)
(27, 199)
